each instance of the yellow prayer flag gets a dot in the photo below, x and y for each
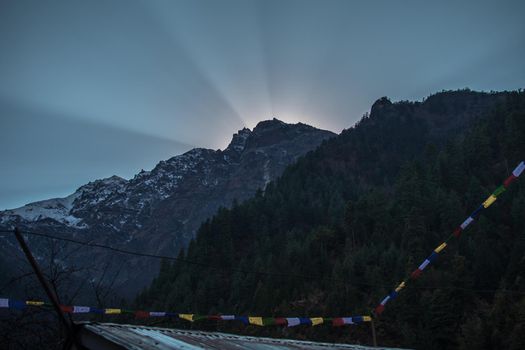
(367, 319)
(258, 321)
(316, 320)
(441, 247)
(489, 201)
(112, 311)
(34, 303)
(187, 317)
(401, 286)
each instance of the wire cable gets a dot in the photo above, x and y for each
(266, 273)
(185, 261)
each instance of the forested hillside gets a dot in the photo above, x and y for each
(348, 221)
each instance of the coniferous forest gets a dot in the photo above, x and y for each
(350, 220)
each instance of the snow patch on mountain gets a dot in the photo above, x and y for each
(58, 209)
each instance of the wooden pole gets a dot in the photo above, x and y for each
(49, 291)
(374, 339)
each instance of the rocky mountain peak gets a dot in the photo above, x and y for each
(111, 182)
(273, 132)
(238, 141)
(379, 105)
(268, 125)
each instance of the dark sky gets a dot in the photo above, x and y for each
(89, 89)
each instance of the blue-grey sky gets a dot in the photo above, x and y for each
(89, 89)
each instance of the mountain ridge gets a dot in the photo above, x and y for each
(106, 187)
(160, 210)
(345, 223)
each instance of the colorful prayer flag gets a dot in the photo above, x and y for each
(477, 211)
(187, 317)
(337, 322)
(499, 191)
(4, 302)
(489, 201)
(293, 321)
(281, 321)
(509, 180)
(416, 273)
(379, 309)
(197, 317)
(424, 264)
(440, 247)
(81, 309)
(350, 320)
(243, 319)
(357, 319)
(466, 223)
(142, 314)
(16, 304)
(157, 314)
(519, 169)
(112, 311)
(401, 286)
(432, 257)
(385, 300)
(305, 320)
(316, 320)
(66, 308)
(258, 321)
(269, 321)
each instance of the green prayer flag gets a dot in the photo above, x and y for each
(499, 191)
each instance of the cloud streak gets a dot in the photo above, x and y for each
(146, 79)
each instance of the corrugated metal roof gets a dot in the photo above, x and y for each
(140, 337)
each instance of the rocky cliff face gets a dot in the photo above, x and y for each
(159, 211)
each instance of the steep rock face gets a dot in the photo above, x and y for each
(159, 211)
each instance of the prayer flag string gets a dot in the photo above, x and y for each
(247, 320)
(456, 233)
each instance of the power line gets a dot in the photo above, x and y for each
(266, 273)
(185, 261)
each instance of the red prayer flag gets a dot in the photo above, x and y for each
(142, 314)
(379, 309)
(68, 309)
(509, 180)
(280, 321)
(416, 273)
(457, 232)
(337, 322)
